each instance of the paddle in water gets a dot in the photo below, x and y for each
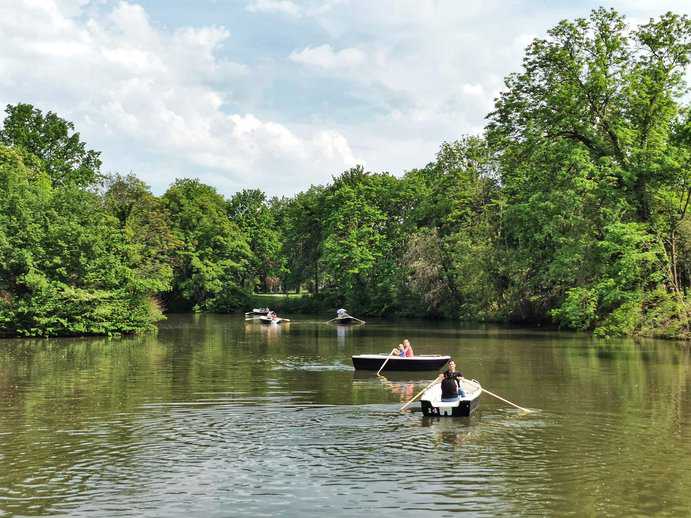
(505, 400)
(387, 359)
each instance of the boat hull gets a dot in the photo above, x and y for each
(464, 409)
(432, 405)
(345, 321)
(268, 321)
(373, 362)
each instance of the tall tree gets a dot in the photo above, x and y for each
(251, 212)
(66, 267)
(214, 256)
(146, 223)
(585, 138)
(53, 140)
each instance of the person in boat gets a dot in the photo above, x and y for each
(451, 387)
(340, 313)
(407, 349)
(272, 315)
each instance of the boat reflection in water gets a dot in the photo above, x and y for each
(270, 333)
(402, 384)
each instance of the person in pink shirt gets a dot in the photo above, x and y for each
(408, 349)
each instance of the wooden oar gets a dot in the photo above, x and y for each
(331, 320)
(387, 359)
(436, 380)
(354, 318)
(504, 400)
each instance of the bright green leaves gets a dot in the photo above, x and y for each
(214, 254)
(64, 263)
(591, 142)
(251, 212)
(51, 140)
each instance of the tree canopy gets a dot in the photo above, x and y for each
(571, 209)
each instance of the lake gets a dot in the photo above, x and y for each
(213, 416)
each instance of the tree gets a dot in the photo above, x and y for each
(214, 256)
(53, 140)
(146, 223)
(587, 146)
(303, 234)
(453, 221)
(250, 211)
(65, 266)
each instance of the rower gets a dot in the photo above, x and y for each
(451, 388)
(340, 313)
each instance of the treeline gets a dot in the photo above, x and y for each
(570, 210)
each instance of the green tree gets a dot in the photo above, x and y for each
(303, 233)
(453, 229)
(587, 147)
(53, 140)
(214, 257)
(65, 266)
(146, 223)
(250, 210)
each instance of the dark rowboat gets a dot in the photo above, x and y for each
(432, 404)
(269, 320)
(372, 362)
(346, 320)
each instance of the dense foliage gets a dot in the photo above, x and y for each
(570, 210)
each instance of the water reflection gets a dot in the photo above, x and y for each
(213, 414)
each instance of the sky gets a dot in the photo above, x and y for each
(273, 94)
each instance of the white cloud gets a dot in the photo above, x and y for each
(431, 69)
(147, 95)
(383, 82)
(324, 56)
(473, 89)
(274, 6)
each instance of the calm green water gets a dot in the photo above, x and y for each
(216, 417)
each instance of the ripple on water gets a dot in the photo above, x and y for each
(218, 429)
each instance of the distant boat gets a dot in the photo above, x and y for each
(433, 406)
(373, 362)
(268, 320)
(347, 320)
(257, 312)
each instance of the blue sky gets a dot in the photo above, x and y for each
(275, 94)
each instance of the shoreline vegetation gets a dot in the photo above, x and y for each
(569, 210)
